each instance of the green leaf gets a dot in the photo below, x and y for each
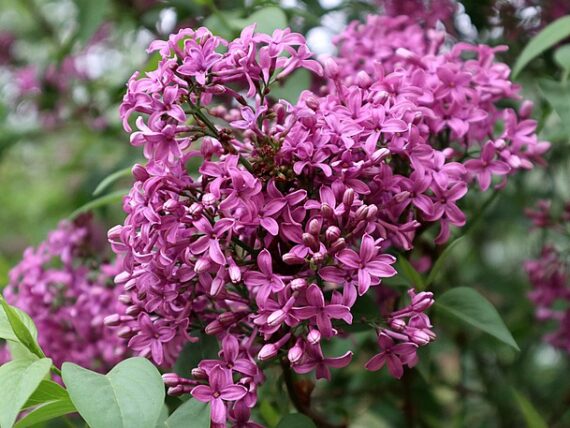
(562, 57)
(558, 96)
(102, 201)
(162, 417)
(6, 331)
(296, 420)
(267, 20)
(531, 415)
(194, 352)
(192, 410)
(131, 395)
(292, 87)
(47, 391)
(547, 38)
(440, 262)
(110, 179)
(406, 268)
(18, 380)
(22, 328)
(46, 412)
(467, 305)
(91, 14)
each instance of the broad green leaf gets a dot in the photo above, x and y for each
(102, 201)
(162, 417)
(18, 380)
(47, 391)
(46, 412)
(131, 395)
(440, 262)
(192, 410)
(406, 268)
(467, 305)
(292, 87)
(267, 20)
(224, 23)
(547, 38)
(91, 14)
(23, 330)
(110, 179)
(531, 415)
(558, 96)
(296, 420)
(562, 57)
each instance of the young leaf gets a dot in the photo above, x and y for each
(267, 20)
(406, 268)
(6, 331)
(440, 262)
(562, 57)
(110, 179)
(296, 420)
(547, 38)
(22, 330)
(558, 96)
(467, 305)
(531, 415)
(47, 391)
(18, 380)
(102, 201)
(46, 412)
(131, 395)
(192, 410)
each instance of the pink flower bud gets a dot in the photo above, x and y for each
(314, 227)
(276, 318)
(112, 320)
(295, 354)
(267, 352)
(298, 284)
(331, 68)
(314, 336)
(214, 328)
(332, 233)
(348, 198)
(199, 373)
(202, 265)
(139, 172)
(363, 80)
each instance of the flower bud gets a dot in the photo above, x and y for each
(348, 198)
(295, 354)
(214, 328)
(331, 68)
(318, 258)
(422, 301)
(327, 211)
(133, 310)
(202, 265)
(298, 284)
(125, 332)
(380, 154)
(208, 199)
(234, 272)
(332, 233)
(139, 172)
(314, 336)
(195, 210)
(363, 80)
(397, 324)
(267, 352)
(112, 320)
(525, 109)
(311, 242)
(337, 245)
(312, 102)
(125, 299)
(419, 337)
(314, 227)
(292, 259)
(276, 318)
(199, 373)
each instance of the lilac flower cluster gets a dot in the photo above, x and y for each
(293, 209)
(68, 295)
(550, 276)
(428, 12)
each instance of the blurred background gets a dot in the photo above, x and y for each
(63, 68)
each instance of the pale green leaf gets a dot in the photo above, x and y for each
(192, 410)
(296, 420)
(46, 412)
(18, 380)
(131, 395)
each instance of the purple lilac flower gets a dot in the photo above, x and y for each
(68, 293)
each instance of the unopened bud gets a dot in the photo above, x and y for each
(199, 373)
(112, 320)
(267, 352)
(298, 284)
(332, 233)
(348, 198)
(139, 172)
(296, 352)
(363, 80)
(311, 242)
(314, 337)
(314, 227)
(292, 259)
(202, 265)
